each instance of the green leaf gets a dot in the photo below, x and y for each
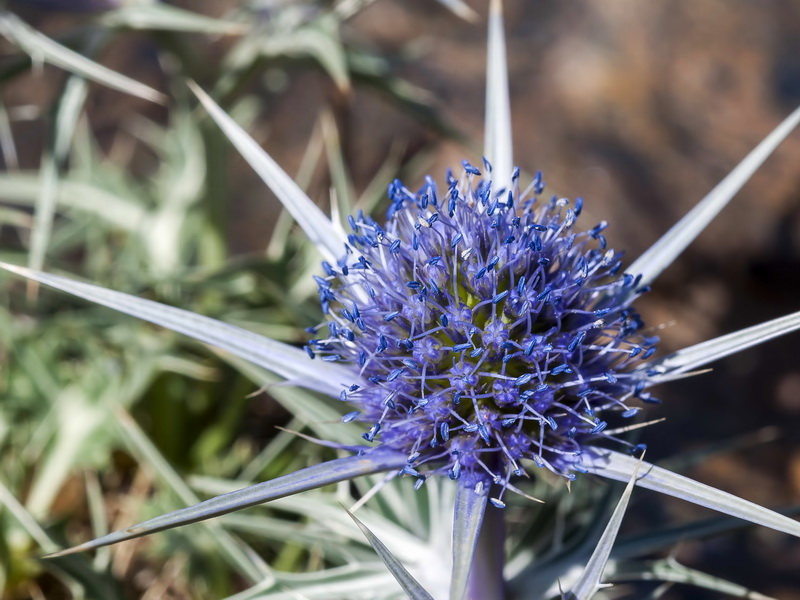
(460, 9)
(69, 111)
(25, 519)
(342, 583)
(323, 416)
(7, 144)
(659, 539)
(163, 17)
(318, 40)
(336, 165)
(24, 188)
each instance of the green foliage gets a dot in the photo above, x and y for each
(145, 218)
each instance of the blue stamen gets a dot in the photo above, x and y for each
(351, 416)
(499, 297)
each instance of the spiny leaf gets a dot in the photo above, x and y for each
(620, 467)
(661, 254)
(240, 555)
(319, 229)
(709, 351)
(287, 361)
(305, 479)
(498, 145)
(410, 585)
(589, 581)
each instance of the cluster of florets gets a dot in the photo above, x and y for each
(483, 331)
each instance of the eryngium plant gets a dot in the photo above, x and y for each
(479, 333)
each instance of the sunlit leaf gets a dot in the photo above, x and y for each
(315, 224)
(709, 351)
(7, 143)
(42, 48)
(23, 187)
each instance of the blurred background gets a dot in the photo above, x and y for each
(641, 108)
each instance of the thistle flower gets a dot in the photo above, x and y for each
(483, 329)
(477, 331)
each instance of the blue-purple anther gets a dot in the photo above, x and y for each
(483, 330)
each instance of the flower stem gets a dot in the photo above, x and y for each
(486, 578)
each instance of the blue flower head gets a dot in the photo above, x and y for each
(484, 327)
